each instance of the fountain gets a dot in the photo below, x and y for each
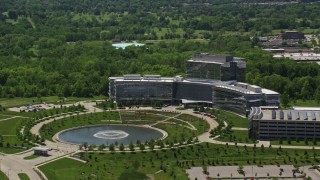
(110, 134)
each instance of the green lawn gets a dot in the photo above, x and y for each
(232, 118)
(173, 162)
(23, 176)
(8, 139)
(31, 157)
(164, 113)
(64, 168)
(130, 117)
(12, 102)
(3, 176)
(176, 133)
(236, 136)
(8, 127)
(108, 117)
(12, 141)
(3, 116)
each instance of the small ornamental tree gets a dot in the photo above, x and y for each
(111, 148)
(121, 147)
(131, 146)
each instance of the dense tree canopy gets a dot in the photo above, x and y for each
(62, 47)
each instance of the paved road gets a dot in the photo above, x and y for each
(11, 166)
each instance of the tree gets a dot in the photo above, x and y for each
(284, 99)
(151, 145)
(141, 147)
(121, 147)
(111, 148)
(101, 147)
(131, 146)
(12, 14)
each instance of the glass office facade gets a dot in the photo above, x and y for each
(233, 71)
(229, 100)
(203, 70)
(192, 91)
(143, 90)
(216, 71)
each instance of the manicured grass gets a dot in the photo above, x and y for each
(7, 114)
(200, 124)
(12, 102)
(31, 157)
(64, 168)
(176, 132)
(8, 127)
(3, 176)
(173, 162)
(164, 113)
(8, 139)
(108, 117)
(2, 116)
(130, 117)
(236, 136)
(23, 176)
(132, 175)
(12, 141)
(234, 119)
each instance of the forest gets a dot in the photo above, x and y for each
(64, 48)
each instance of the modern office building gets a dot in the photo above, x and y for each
(228, 95)
(284, 124)
(216, 67)
(146, 88)
(240, 97)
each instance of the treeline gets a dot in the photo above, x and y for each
(295, 80)
(82, 69)
(59, 48)
(144, 20)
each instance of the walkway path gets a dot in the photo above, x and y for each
(239, 129)
(12, 118)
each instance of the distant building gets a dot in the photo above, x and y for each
(284, 124)
(292, 35)
(216, 67)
